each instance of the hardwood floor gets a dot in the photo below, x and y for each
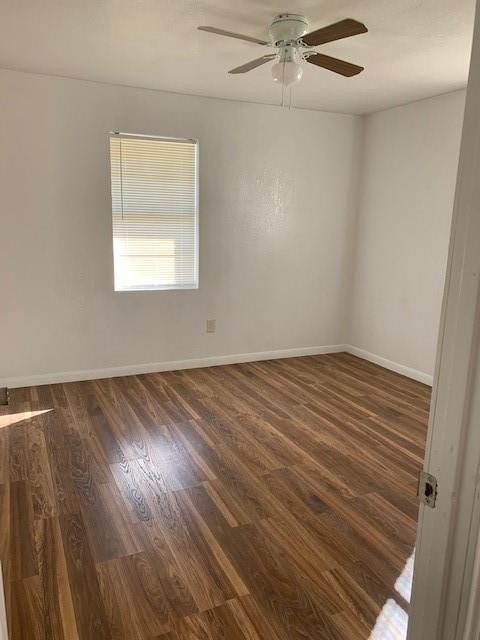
(262, 501)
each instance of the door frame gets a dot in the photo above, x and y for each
(446, 583)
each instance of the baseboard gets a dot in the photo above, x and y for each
(174, 365)
(389, 364)
(210, 361)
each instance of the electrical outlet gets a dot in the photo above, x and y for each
(211, 326)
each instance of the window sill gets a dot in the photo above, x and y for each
(175, 287)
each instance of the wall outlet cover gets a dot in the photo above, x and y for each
(211, 326)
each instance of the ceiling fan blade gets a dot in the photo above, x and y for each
(253, 64)
(231, 34)
(334, 64)
(337, 31)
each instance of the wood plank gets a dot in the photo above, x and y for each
(90, 616)
(23, 561)
(38, 474)
(25, 615)
(291, 610)
(135, 602)
(58, 612)
(201, 570)
(262, 501)
(172, 577)
(213, 624)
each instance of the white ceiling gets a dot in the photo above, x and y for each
(414, 48)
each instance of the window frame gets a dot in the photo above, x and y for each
(196, 247)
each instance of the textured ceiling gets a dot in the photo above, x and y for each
(414, 48)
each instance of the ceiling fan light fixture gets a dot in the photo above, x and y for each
(287, 72)
(293, 45)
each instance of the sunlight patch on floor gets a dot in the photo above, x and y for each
(403, 585)
(392, 623)
(13, 418)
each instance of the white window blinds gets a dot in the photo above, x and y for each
(154, 211)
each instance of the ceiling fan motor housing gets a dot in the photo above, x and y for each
(287, 28)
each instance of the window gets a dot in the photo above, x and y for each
(154, 212)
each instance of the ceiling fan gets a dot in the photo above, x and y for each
(288, 35)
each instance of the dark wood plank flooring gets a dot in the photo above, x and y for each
(262, 501)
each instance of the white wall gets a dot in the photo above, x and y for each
(316, 229)
(277, 203)
(409, 164)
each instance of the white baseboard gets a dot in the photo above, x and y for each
(389, 364)
(210, 361)
(174, 365)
